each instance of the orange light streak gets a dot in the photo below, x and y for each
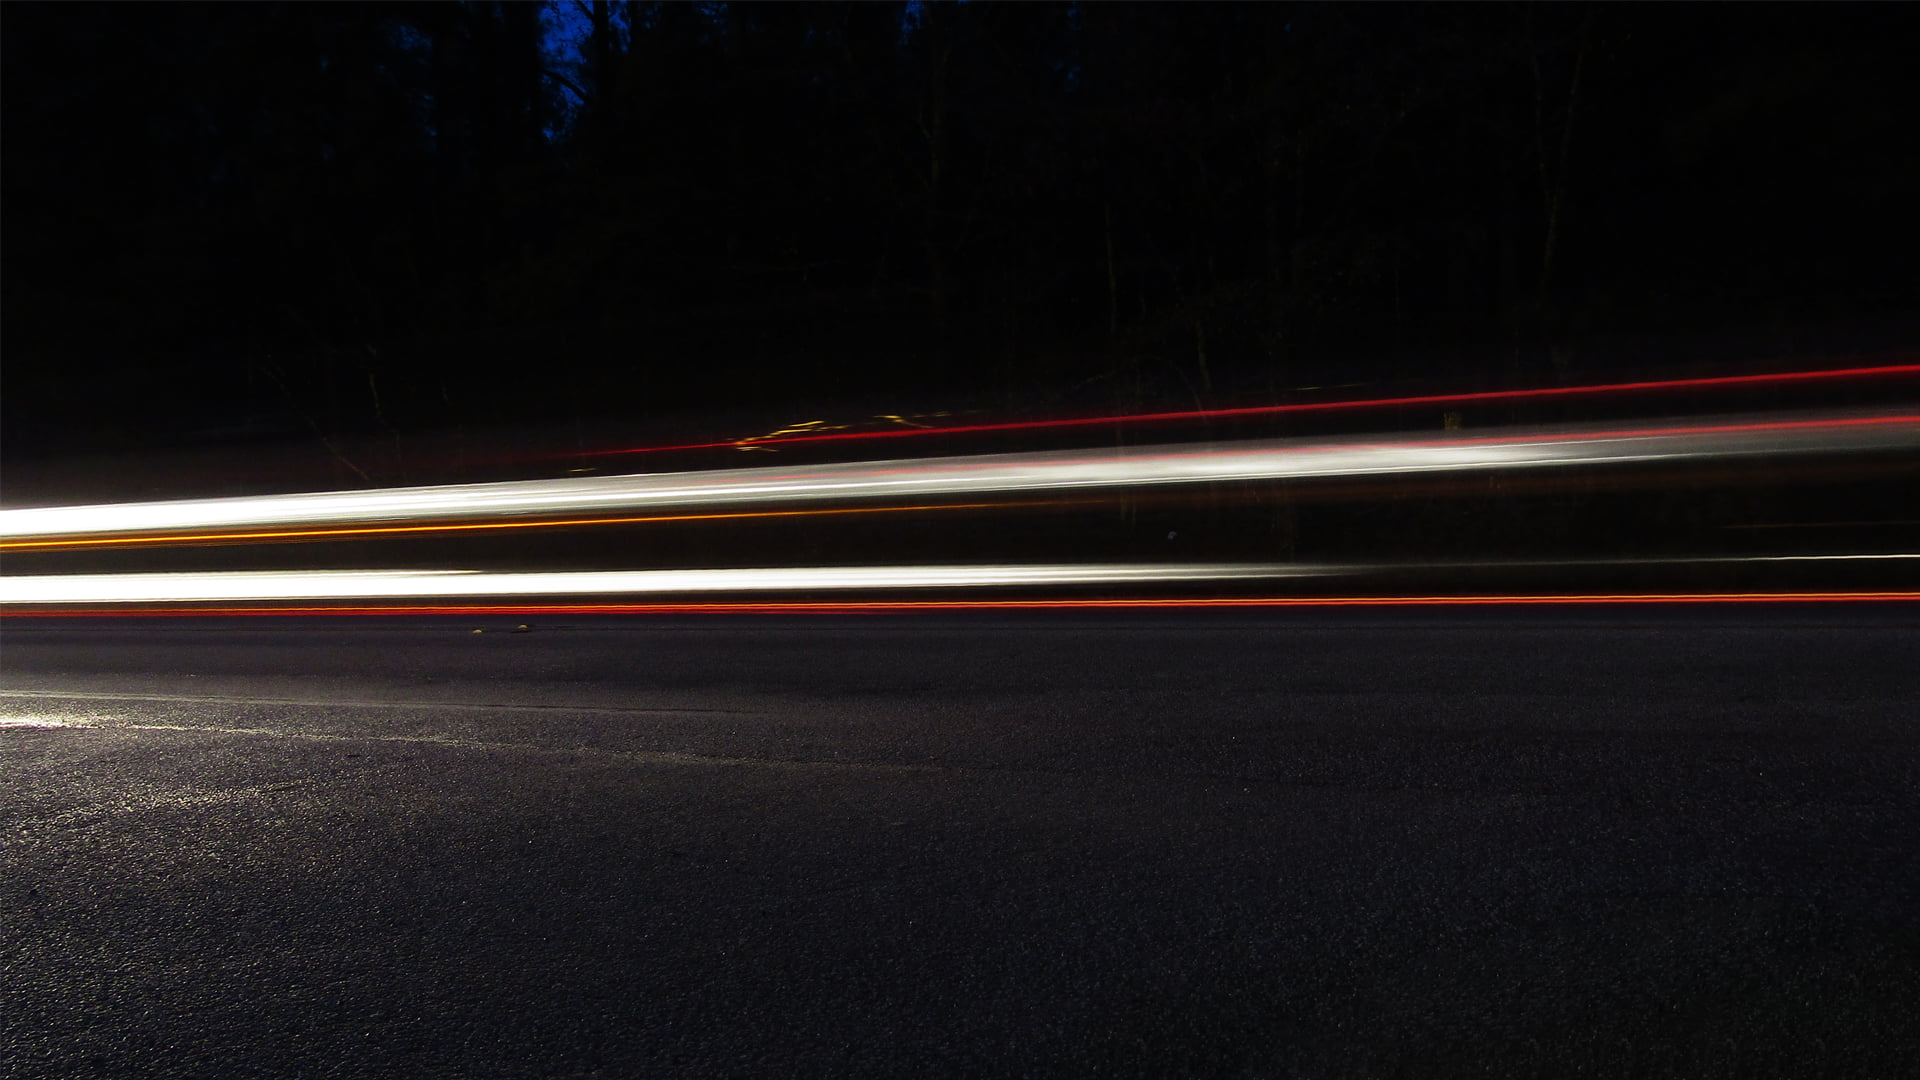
(370, 530)
(834, 607)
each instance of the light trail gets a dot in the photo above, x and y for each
(959, 477)
(855, 607)
(382, 530)
(359, 585)
(1298, 408)
(231, 585)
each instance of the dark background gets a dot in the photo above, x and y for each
(248, 221)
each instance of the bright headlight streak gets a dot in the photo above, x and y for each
(984, 474)
(362, 585)
(859, 607)
(418, 584)
(485, 526)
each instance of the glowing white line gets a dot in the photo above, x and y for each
(393, 584)
(1821, 558)
(238, 585)
(953, 476)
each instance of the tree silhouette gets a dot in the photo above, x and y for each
(405, 216)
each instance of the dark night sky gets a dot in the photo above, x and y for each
(277, 218)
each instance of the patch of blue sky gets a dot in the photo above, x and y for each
(410, 38)
(912, 16)
(566, 26)
(566, 40)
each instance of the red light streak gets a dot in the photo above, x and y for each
(1296, 408)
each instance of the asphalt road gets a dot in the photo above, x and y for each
(1637, 844)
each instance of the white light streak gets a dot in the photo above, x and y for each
(981, 475)
(276, 585)
(420, 584)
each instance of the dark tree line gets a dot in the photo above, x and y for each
(404, 216)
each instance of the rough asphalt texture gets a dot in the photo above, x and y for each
(893, 846)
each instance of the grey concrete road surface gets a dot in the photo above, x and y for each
(1637, 844)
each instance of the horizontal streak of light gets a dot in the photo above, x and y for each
(952, 477)
(1296, 408)
(1872, 523)
(381, 530)
(381, 584)
(852, 607)
(287, 585)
